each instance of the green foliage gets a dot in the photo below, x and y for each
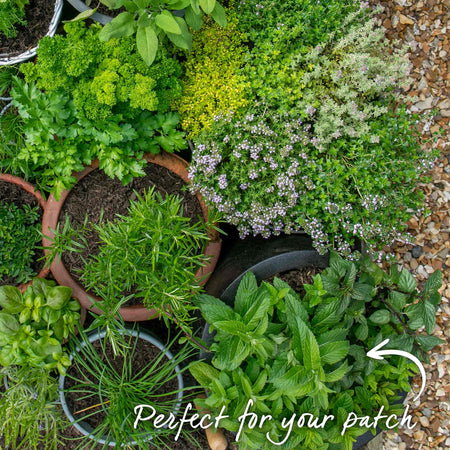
(28, 405)
(12, 14)
(151, 21)
(212, 82)
(306, 152)
(19, 238)
(279, 32)
(59, 141)
(151, 254)
(308, 355)
(33, 325)
(104, 78)
(267, 176)
(122, 389)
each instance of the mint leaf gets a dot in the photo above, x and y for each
(406, 282)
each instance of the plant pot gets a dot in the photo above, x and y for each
(62, 275)
(81, 6)
(6, 60)
(83, 427)
(31, 190)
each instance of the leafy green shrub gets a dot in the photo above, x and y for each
(12, 14)
(28, 405)
(152, 20)
(290, 355)
(34, 324)
(152, 254)
(322, 147)
(212, 83)
(104, 78)
(266, 175)
(19, 237)
(57, 141)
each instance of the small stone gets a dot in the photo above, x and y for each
(427, 412)
(419, 435)
(405, 20)
(424, 421)
(425, 104)
(440, 393)
(413, 264)
(394, 21)
(416, 251)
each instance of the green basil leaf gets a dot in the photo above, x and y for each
(58, 296)
(9, 325)
(195, 21)
(183, 40)
(83, 15)
(11, 299)
(195, 5)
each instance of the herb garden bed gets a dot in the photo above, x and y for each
(302, 141)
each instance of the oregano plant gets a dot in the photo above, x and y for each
(309, 355)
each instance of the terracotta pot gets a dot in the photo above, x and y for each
(30, 189)
(135, 313)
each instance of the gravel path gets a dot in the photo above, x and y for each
(425, 27)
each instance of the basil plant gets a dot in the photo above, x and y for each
(151, 20)
(289, 354)
(34, 324)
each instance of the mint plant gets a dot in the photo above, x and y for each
(152, 20)
(19, 239)
(34, 324)
(308, 355)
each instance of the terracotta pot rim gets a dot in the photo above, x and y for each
(62, 275)
(28, 187)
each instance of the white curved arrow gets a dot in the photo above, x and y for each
(376, 353)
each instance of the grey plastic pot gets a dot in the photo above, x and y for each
(83, 427)
(80, 6)
(30, 53)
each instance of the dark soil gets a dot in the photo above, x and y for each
(38, 14)
(297, 277)
(97, 193)
(145, 353)
(11, 193)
